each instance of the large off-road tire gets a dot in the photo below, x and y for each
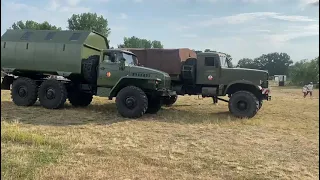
(243, 104)
(52, 94)
(24, 92)
(154, 105)
(131, 102)
(170, 101)
(79, 99)
(89, 68)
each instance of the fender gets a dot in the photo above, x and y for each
(141, 82)
(8, 70)
(246, 82)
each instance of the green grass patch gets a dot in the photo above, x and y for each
(23, 152)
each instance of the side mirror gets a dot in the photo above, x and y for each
(122, 63)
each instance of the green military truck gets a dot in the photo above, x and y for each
(30, 57)
(208, 74)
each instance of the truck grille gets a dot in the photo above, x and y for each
(167, 82)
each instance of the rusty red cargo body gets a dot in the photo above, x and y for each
(167, 60)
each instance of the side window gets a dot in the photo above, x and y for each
(108, 57)
(50, 35)
(75, 36)
(209, 61)
(26, 36)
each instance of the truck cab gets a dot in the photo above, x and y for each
(213, 69)
(210, 75)
(117, 65)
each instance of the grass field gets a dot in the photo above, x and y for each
(193, 139)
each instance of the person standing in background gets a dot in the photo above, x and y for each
(304, 91)
(309, 89)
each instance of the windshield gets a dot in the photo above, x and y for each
(224, 61)
(130, 59)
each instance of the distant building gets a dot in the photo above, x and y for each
(281, 79)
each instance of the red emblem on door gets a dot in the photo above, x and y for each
(210, 77)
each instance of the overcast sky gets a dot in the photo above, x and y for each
(242, 28)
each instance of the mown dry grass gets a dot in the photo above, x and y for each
(193, 139)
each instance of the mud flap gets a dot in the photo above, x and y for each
(6, 82)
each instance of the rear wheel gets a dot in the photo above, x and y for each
(170, 101)
(131, 102)
(24, 92)
(243, 104)
(154, 105)
(79, 99)
(52, 94)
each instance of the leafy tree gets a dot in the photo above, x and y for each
(135, 42)
(247, 63)
(157, 44)
(305, 71)
(89, 21)
(34, 25)
(275, 63)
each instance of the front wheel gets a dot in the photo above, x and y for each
(170, 101)
(131, 102)
(243, 104)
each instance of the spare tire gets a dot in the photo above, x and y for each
(89, 69)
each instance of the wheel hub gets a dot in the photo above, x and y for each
(242, 105)
(22, 92)
(130, 102)
(50, 94)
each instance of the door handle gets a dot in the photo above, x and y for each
(102, 68)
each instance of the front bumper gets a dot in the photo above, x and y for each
(265, 94)
(266, 97)
(166, 92)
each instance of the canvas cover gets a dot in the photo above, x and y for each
(167, 60)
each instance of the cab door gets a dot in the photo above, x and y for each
(208, 70)
(109, 72)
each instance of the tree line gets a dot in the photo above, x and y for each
(275, 63)
(89, 21)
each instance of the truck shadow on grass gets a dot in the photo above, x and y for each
(173, 115)
(102, 114)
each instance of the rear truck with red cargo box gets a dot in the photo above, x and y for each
(208, 74)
